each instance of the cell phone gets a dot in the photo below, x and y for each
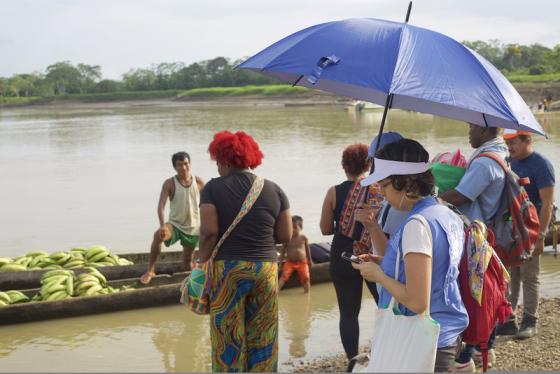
(350, 257)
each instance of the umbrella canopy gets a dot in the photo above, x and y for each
(400, 66)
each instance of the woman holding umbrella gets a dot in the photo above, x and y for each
(428, 246)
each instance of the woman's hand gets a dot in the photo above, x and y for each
(370, 271)
(366, 214)
(368, 257)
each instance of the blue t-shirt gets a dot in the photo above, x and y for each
(540, 173)
(483, 184)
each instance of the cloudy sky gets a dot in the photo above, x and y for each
(124, 34)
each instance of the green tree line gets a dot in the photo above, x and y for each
(64, 78)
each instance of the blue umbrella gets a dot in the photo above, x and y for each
(399, 66)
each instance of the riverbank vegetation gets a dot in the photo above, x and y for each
(218, 77)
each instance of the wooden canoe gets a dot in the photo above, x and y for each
(162, 290)
(168, 263)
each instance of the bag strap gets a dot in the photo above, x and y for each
(250, 199)
(421, 219)
(500, 161)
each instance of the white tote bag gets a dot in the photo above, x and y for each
(403, 343)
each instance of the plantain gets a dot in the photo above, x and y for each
(4, 297)
(85, 277)
(36, 253)
(36, 261)
(96, 273)
(17, 297)
(59, 295)
(73, 263)
(58, 255)
(70, 286)
(93, 290)
(96, 251)
(46, 291)
(83, 286)
(13, 267)
(79, 250)
(97, 257)
(57, 272)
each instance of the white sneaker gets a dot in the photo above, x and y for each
(468, 367)
(477, 356)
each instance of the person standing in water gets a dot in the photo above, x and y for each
(298, 257)
(183, 192)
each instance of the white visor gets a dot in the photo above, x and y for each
(386, 168)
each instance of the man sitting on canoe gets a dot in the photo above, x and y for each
(184, 214)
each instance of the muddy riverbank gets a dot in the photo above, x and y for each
(537, 354)
(532, 93)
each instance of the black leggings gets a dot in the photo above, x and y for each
(349, 296)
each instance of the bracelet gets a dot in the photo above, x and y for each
(542, 235)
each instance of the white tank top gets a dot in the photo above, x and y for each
(184, 212)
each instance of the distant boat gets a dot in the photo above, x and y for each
(359, 105)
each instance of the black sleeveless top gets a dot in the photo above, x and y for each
(341, 243)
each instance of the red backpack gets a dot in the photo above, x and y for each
(494, 307)
(515, 226)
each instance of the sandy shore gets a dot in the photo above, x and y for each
(537, 354)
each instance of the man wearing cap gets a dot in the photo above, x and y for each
(527, 163)
(478, 197)
(389, 218)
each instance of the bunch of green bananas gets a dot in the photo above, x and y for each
(92, 283)
(96, 256)
(7, 264)
(56, 285)
(12, 297)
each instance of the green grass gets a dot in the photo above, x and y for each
(18, 100)
(118, 96)
(268, 90)
(527, 78)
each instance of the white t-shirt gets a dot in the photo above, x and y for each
(417, 237)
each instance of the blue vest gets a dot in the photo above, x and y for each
(446, 305)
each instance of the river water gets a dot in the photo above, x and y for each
(92, 174)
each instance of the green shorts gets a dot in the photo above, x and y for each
(186, 240)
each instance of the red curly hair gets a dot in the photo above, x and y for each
(355, 160)
(238, 150)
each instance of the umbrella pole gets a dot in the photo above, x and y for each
(388, 104)
(358, 228)
(408, 12)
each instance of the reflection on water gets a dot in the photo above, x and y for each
(170, 339)
(77, 177)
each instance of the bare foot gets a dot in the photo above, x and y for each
(147, 277)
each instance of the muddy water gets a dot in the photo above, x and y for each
(82, 176)
(167, 339)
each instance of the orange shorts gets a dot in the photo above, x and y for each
(301, 267)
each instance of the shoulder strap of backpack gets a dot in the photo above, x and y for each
(494, 157)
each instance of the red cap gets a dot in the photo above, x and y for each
(511, 134)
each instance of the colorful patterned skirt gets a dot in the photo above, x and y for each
(244, 316)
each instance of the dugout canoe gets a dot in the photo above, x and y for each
(164, 289)
(168, 263)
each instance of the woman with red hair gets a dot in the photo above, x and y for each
(337, 217)
(244, 291)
